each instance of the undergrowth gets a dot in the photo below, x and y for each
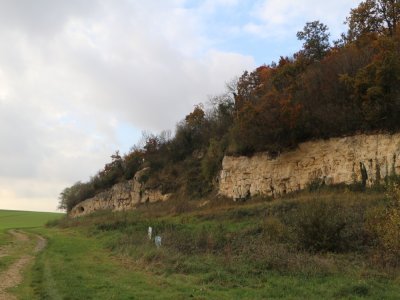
(319, 233)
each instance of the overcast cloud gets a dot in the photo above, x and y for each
(81, 79)
(283, 18)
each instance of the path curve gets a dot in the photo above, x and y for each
(13, 275)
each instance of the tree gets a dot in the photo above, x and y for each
(373, 16)
(316, 40)
(389, 12)
(75, 194)
(195, 119)
(112, 172)
(363, 20)
(132, 162)
(220, 116)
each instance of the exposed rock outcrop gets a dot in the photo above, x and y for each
(363, 158)
(122, 196)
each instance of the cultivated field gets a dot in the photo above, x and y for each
(25, 219)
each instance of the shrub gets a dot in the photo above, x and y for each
(194, 183)
(181, 205)
(383, 224)
(315, 184)
(211, 163)
(53, 223)
(132, 163)
(327, 226)
(274, 230)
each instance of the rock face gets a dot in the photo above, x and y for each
(122, 196)
(365, 159)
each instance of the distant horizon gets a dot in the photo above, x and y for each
(17, 210)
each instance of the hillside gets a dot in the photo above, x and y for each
(324, 90)
(333, 243)
(286, 185)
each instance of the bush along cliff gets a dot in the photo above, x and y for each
(326, 90)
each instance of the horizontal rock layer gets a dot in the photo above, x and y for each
(363, 158)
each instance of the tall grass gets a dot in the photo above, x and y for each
(313, 233)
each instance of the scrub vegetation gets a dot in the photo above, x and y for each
(335, 242)
(331, 243)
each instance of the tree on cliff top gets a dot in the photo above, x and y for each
(316, 40)
(373, 17)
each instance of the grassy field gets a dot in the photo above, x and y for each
(223, 250)
(320, 245)
(19, 246)
(25, 219)
(76, 266)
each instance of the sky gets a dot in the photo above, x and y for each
(82, 79)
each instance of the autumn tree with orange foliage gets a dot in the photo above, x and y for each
(373, 17)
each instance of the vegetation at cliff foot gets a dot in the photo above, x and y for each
(323, 90)
(333, 243)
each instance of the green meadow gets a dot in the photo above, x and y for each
(13, 219)
(311, 245)
(260, 249)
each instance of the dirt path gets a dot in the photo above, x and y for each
(19, 236)
(13, 275)
(41, 244)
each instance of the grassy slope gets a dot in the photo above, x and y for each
(107, 256)
(25, 219)
(78, 267)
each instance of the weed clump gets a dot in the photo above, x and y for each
(327, 226)
(383, 224)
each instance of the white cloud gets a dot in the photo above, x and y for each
(283, 18)
(71, 72)
(29, 194)
(210, 6)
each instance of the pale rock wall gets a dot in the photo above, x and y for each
(333, 161)
(338, 160)
(122, 196)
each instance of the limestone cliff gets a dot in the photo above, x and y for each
(364, 159)
(122, 196)
(361, 158)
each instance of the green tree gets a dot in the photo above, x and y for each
(75, 194)
(316, 40)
